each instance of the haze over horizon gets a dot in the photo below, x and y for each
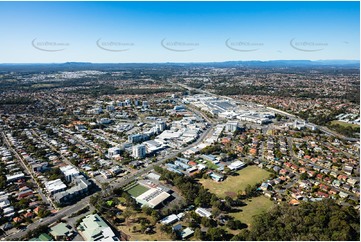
(340, 61)
(178, 32)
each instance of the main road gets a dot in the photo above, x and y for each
(134, 176)
(124, 180)
(23, 163)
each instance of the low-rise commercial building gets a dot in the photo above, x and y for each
(94, 228)
(203, 212)
(153, 197)
(80, 189)
(55, 186)
(236, 165)
(69, 172)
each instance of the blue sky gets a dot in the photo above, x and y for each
(105, 32)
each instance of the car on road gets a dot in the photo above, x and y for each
(22, 227)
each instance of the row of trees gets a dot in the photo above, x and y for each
(2, 175)
(216, 148)
(193, 192)
(348, 131)
(16, 101)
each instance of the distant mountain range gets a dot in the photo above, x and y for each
(297, 62)
(73, 66)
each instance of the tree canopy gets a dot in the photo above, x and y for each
(324, 220)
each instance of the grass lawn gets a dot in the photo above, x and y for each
(137, 190)
(344, 124)
(247, 176)
(256, 206)
(211, 165)
(208, 163)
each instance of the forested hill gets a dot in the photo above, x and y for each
(323, 220)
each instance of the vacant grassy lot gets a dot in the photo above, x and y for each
(132, 229)
(255, 206)
(137, 190)
(345, 124)
(233, 184)
(136, 235)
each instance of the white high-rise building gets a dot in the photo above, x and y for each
(231, 126)
(110, 108)
(139, 151)
(160, 126)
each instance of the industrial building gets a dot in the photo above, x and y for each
(153, 197)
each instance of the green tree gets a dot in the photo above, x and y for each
(206, 222)
(324, 220)
(147, 210)
(303, 176)
(215, 234)
(198, 234)
(127, 214)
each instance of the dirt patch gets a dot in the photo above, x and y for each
(231, 194)
(120, 207)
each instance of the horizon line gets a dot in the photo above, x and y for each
(169, 62)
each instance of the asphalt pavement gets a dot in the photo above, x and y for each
(125, 180)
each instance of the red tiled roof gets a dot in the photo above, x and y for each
(322, 194)
(28, 215)
(36, 210)
(17, 219)
(294, 202)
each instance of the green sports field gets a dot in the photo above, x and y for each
(137, 190)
